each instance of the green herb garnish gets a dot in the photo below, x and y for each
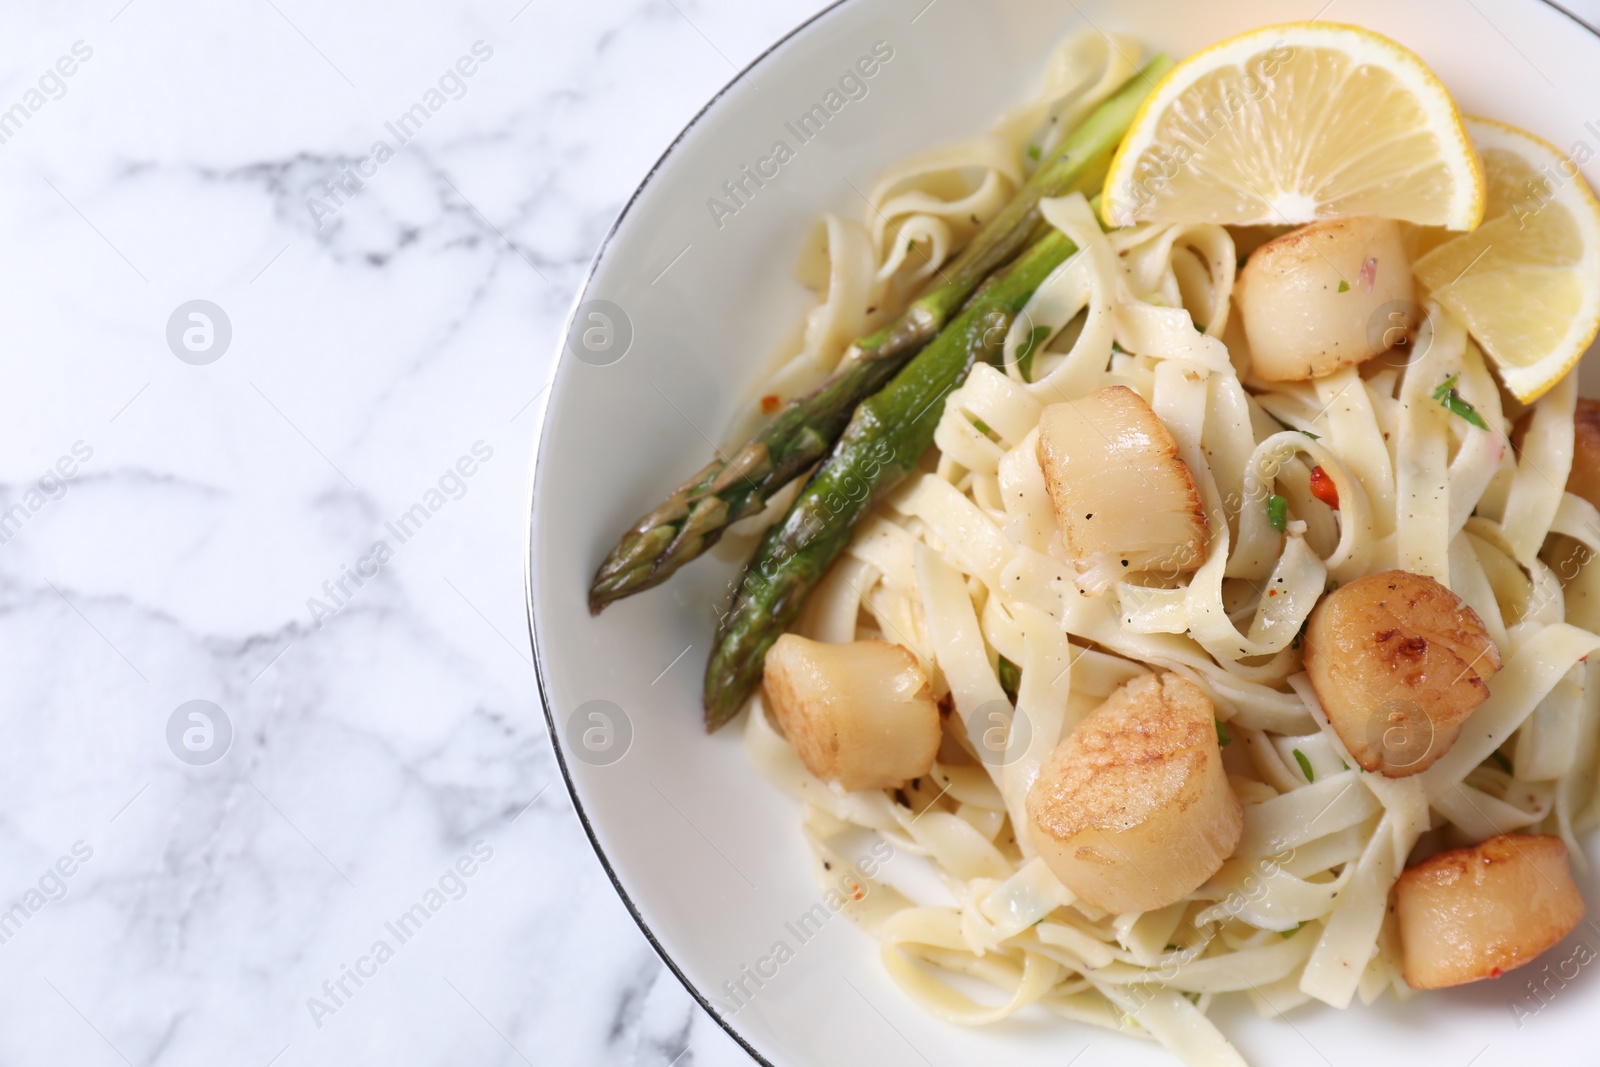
(1010, 678)
(1451, 400)
(1223, 737)
(1033, 152)
(1278, 512)
(1314, 437)
(1305, 765)
(981, 426)
(1344, 286)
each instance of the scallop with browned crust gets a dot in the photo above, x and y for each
(859, 713)
(1133, 810)
(1329, 295)
(1124, 499)
(1398, 662)
(1475, 913)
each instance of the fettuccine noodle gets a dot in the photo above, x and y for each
(963, 564)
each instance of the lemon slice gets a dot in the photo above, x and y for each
(1290, 124)
(1526, 282)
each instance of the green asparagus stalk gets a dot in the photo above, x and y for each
(883, 443)
(726, 490)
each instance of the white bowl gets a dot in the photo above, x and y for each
(709, 856)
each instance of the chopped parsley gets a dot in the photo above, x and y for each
(1223, 737)
(981, 426)
(1033, 152)
(1305, 765)
(1010, 678)
(1278, 512)
(1314, 437)
(1344, 286)
(1451, 400)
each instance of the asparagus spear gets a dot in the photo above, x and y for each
(886, 438)
(691, 520)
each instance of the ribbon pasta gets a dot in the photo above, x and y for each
(963, 565)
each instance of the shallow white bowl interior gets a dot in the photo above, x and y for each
(709, 855)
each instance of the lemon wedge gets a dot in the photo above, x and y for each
(1527, 282)
(1290, 124)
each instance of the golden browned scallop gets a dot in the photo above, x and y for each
(1398, 662)
(1475, 913)
(859, 713)
(1325, 296)
(1124, 500)
(1132, 811)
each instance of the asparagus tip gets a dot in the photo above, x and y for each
(724, 696)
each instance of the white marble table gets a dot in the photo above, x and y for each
(190, 510)
(393, 317)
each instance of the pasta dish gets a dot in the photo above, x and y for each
(1173, 526)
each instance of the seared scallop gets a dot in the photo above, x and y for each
(1325, 296)
(859, 713)
(1124, 500)
(1133, 810)
(1475, 913)
(1398, 662)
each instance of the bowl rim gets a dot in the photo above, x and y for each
(537, 455)
(528, 533)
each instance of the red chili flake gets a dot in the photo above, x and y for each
(1323, 489)
(769, 403)
(1496, 973)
